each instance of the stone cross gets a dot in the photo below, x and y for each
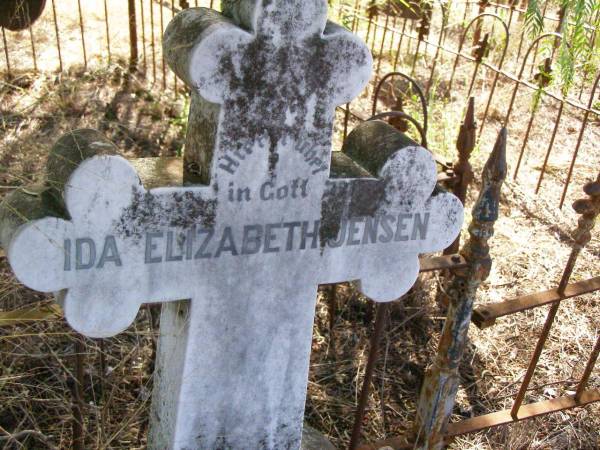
(269, 226)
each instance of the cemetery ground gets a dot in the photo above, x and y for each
(529, 250)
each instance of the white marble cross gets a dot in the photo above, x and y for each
(259, 239)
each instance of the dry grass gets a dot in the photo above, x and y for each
(529, 249)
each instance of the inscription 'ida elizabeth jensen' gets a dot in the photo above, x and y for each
(193, 244)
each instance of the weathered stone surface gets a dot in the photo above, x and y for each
(372, 143)
(26, 205)
(251, 246)
(314, 440)
(159, 172)
(70, 151)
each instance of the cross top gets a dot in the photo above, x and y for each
(278, 84)
(279, 19)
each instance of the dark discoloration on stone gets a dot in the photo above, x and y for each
(269, 86)
(270, 83)
(200, 140)
(176, 210)
(366, 197)
(359, 197)
(337, 195)
(346, 200)
(342, 166)
(285, 438)
(158, 172)
(70, 151)
(183, 33)
(333, 209)
(25, 205)
(361, 143)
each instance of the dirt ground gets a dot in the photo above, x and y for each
(529, 250)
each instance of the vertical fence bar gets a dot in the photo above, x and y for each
(481, 51)
(445, 21)
(402, 34)
(31, 39)
(483, 4)
(75, 384)
(375, 28)
(369, 25)
(584, 123)
(391, 47)
(107, 27)
(434, 64)
(153, 41)
(174, 76)
(380, 318)
(465, 144)
(441, 379)
(534, 360)
(550, 145)
(162, 33)
(143, 20)
(6, 56)
(355, 18)
(133, 45)
(385, 30)
(60, 62)
(543, 79)
(588, 370)
(82, 30)
(410, 36)
(396, 59)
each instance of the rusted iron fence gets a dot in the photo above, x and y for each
(485, 52)
(482, 48)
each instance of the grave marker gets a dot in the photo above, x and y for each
(250, 248)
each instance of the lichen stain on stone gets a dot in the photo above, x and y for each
(174, 210)
(335, 199)
(366, 197)
(347, 200)
(285, 437)
(273, 80)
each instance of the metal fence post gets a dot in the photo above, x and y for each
(133, 45)
(442, 378)
(465, 144)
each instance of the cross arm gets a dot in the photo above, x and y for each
(198, 46)
(393, 209)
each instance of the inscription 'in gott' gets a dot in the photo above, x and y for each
(204, 243)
